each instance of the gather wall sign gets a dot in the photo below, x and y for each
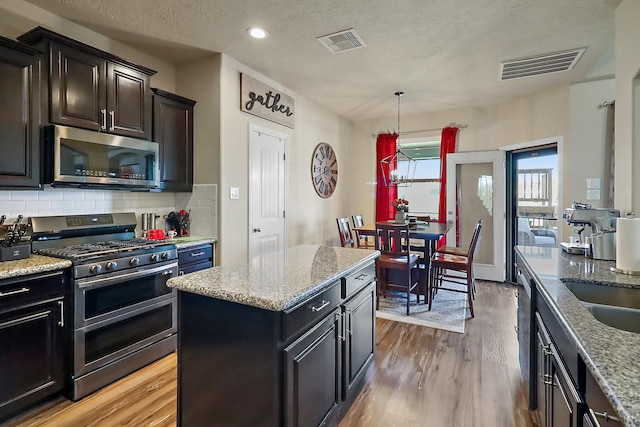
(264, 101)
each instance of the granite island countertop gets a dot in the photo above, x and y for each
(279, 280)
(612, 355)
(32, 265)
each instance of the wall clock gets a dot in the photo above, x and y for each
(324, 170)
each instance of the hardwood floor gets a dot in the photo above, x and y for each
(429, 377)
(422, 377)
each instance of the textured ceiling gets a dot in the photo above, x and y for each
(442, 53)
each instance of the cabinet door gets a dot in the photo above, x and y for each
(77, 88)
(360, 339)
(19, 118)
(128, 102)
(542, 372)
(31, 355)
(312, 383)
(173, 130)
(564, 397)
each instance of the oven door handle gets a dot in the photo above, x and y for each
(166, 269)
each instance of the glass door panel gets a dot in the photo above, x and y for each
(476, 190)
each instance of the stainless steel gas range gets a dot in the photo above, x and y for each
(124, 315)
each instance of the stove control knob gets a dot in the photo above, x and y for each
(112, 265)
(134, 261)
(95, 269)
(155, 257)
(164, 255)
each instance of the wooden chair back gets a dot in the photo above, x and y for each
(344, 229)
(392, 239)
(358, 220)
(474, 241)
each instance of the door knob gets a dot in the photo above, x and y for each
(256, 230)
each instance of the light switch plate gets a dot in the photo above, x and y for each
(593, 183)
(593, 194)
(234, 193)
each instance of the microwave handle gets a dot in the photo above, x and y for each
(103, 126)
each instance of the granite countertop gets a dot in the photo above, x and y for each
(190, 241)
(612, 355)
(32, 265)
(279, 280)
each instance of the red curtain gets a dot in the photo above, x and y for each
(448, 144)
(385, 146)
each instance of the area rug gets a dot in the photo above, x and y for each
(448, 311)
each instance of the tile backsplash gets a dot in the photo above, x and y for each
(57, 201)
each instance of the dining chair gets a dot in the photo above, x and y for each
(344, 229)
(361, 241)
(395, 257)
(462, 251)
(442, 263)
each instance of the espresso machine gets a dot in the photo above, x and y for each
(597, 241)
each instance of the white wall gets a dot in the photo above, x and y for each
(310, 219)
(585, 154)
(627, 59)
(524, 119)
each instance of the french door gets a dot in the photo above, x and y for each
(476, 190)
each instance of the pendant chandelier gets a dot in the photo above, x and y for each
(399, 168)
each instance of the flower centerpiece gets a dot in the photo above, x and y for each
(402, 207)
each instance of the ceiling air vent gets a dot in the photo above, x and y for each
(542, 64)
(342, 41)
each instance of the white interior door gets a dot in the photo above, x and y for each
(267, 224)
(476, 190)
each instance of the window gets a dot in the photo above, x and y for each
(424, 193)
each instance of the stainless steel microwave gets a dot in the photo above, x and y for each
(87, 158)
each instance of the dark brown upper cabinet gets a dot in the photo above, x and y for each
(173, 130)
(20, 68)
(93, 89)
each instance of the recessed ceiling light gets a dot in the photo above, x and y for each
(257, 33)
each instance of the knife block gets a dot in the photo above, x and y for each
(12, 253)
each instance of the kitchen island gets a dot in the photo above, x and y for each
(600, 359)
(284, 339)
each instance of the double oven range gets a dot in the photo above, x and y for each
(124, 315)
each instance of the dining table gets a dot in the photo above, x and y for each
(429, 233)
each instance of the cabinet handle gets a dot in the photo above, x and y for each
(322, 305)
(343, 327)
(61, 322)
(112, 115)
(180, 273)
(197, 254)
(18, 291)
(605, 415)
(517, 329)
(349, 314)
(104, 119)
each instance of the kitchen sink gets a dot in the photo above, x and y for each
(612, 305)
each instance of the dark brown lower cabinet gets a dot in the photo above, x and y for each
(240, 365)
(558, 399)
(313, 374)
(33, 321)
(562, 390)
(195, 258)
